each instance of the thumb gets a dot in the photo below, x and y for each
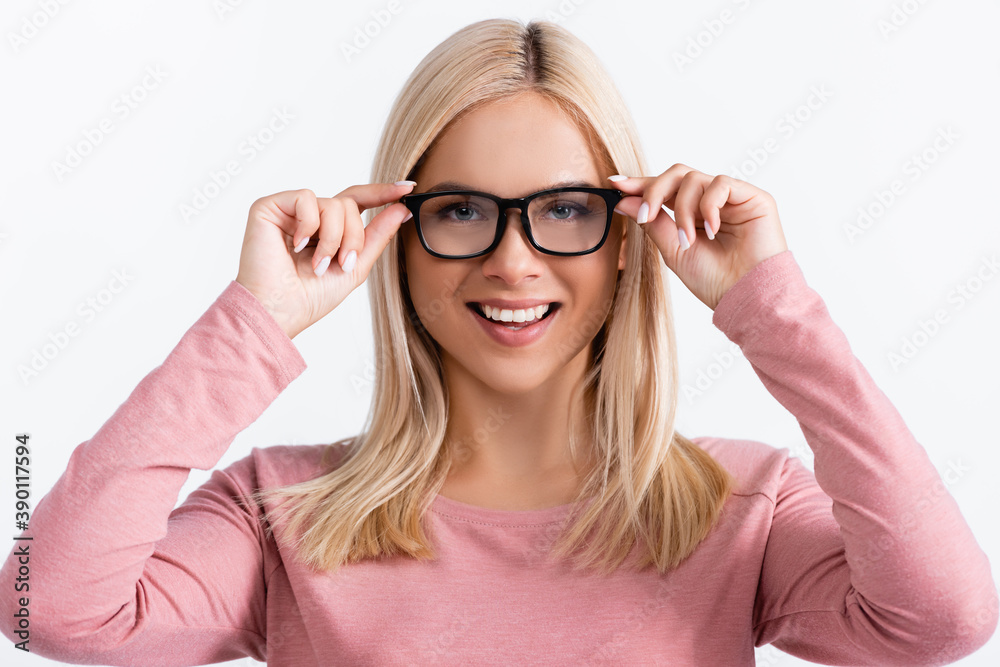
(661, 227)
(379, 233)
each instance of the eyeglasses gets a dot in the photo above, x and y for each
(459, 224)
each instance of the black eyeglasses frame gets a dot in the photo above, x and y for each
(413, 201)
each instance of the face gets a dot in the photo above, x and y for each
(511, 149)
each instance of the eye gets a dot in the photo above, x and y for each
(463, 212)
(457, 211)
(564, 211)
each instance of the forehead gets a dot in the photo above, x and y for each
(511, 148)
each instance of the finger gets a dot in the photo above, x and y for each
(629, 206)
(379, 233)
(331, 213)
(353, 240)
(298, 216)
(717, 194)
(373, 195)
(654, 190)
(632, 185)
(687, 203)
(663, 233)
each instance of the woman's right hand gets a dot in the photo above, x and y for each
(286, 281)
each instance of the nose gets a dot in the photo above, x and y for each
(514, 256)
(513, 230)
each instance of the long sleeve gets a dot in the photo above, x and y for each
(880, 568)
(116, 576)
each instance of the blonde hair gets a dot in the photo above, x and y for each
(657, 489)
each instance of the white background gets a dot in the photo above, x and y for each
(895, 74)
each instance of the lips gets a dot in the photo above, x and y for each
(524, 335)
(474, 307)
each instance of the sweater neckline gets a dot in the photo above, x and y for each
(458, 509)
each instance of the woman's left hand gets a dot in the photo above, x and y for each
(742, 219)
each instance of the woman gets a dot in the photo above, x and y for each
(519, 494)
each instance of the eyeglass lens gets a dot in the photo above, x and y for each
(567, 221)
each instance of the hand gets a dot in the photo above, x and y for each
(742, 218)
(293, 284)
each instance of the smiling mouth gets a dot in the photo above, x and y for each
(514, 326)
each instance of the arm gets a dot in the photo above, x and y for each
(116, 575)
(876, 564)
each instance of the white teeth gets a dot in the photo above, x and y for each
(521, 315)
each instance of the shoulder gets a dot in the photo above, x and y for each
(281, 465)
(758, 468)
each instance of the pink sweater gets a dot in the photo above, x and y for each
(868, 563)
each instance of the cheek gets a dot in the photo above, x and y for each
(436, 295)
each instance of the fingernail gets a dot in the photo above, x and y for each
(405, 183)
(321, 267)
(643, 214)
(349, 261)
(619, 212)
(409, 214)
(617, 177)
(302, 244)
(683, 238)
(708, 231)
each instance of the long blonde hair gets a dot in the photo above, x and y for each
(657, 490)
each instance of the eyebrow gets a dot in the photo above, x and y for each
(455, 185)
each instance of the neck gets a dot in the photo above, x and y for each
(511, 449)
